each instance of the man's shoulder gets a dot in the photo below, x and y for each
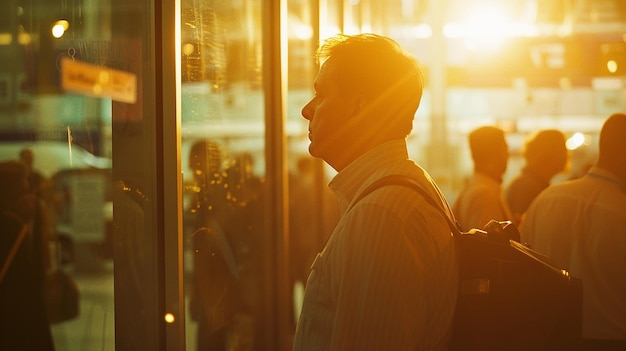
(393, 193)
(569, 188)
(480, 191)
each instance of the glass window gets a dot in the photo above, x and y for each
(224, 175)
(77, 110)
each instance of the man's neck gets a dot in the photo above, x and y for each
(490, 173)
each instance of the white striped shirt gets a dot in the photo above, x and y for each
(581, 226)
(387, 277)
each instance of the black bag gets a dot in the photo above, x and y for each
(509, 297)
(62, 297)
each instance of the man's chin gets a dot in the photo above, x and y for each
(314, 151)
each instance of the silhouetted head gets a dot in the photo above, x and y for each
(13, 183)
(545, 153)
(367, 93)
(27, 158)
(612, 145)
(205, 157)
(490, 151)
(242, 166)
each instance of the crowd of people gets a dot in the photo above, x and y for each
(578, 224)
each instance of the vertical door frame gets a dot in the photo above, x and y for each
(169, 176)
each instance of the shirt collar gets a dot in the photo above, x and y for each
(367, 166)
(603, 174)
(485, 179)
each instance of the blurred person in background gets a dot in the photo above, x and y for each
(23, 317)
(386, 278)
(211, 305)
(37, 183)
(482, 199)
(242, 222)
(227, 241)
(581, 225)
(545, 156)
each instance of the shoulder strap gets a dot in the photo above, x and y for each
(16, 245)
(397, 179)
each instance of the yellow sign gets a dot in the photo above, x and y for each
(99, 81)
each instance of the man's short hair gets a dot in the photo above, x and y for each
(545, 146)
(206, 156)
(376, 68)
(483, 141)
(613, 139)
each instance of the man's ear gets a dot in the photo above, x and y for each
(357, 105)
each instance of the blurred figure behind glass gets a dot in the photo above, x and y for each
(226, 242)
(23, 320)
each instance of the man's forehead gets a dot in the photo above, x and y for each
(326, 77)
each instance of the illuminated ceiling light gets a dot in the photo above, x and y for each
(575, 141)
(611, 65)
(59, 28)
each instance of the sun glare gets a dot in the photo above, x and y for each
(575, 141)
(488, 22)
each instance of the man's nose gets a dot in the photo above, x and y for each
(307, 110)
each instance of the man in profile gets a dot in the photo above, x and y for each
(387, 276)
(581, 225)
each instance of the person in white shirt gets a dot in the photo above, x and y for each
(581, 225)
(481, 199)
(387, 276)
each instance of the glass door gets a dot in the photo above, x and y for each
(82, 110)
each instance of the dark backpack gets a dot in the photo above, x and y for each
(509, 296)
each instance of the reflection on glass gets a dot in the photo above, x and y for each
(223, 167)
(65, 141)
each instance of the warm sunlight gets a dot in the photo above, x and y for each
(575, 141)
(485, 26)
